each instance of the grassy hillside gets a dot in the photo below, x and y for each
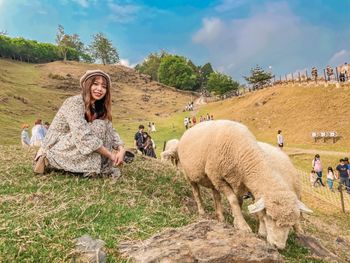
(41, 216)
(296, 110)
(29, 91)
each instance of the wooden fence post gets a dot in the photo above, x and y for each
(341, 197)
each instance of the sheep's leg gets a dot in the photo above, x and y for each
(197, 198)
(239, 221)
(298, 229)
(218, 205)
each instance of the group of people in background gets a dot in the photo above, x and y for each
(189, 106)
(144, 142)
(341, 173)
(151, 127)
(38, 133)
(189, 122)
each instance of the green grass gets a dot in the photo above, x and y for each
(40, 216)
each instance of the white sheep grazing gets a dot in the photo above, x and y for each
(224, 156)
(280, 162)
(170, 152)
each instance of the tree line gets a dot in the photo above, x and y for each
(68, 47)
(173, 70)
(182, 73)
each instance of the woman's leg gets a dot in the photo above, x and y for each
(319, 176)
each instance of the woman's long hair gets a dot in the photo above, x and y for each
(102, 107)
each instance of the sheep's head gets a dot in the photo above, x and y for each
(278, 213)
(166, 156)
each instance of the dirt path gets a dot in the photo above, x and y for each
(295, 151)
(200, 101)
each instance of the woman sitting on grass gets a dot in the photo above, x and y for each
(81, 138)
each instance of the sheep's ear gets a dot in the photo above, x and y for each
(257, 206)
(303, 208)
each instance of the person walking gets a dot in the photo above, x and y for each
(280, 139)
(81, 138)
(330, 178)
(317, 166)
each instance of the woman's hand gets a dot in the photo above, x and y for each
(118, 157)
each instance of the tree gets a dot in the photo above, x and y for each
(66, 43)
(205, 71)
(220, 83)
(63, 42)
(102, 48)
(151, 64)
(174, 71)
(197, 72)
(258, 77)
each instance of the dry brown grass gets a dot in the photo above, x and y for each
(28, 92)
(296, 110)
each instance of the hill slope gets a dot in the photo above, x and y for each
(296, 110)
(29, 91)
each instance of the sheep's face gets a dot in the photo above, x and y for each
(164, 156)
(278, 214)
(276, 235)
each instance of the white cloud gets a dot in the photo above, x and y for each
(271, 35)
(123, 13)
(125, 62)
(340, 57)
(212, 29)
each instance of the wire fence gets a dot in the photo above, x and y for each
(338, 197)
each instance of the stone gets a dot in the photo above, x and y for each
(203, 242)
(89, 250)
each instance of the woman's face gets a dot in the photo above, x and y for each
(98, 89)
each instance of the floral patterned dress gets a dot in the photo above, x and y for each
(71, 142)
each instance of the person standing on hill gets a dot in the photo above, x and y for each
(153, 127)
(280, 139)
(343, 174)
(81, 138)
(330, 178)
(25, 136)
(194, 120)
(38, 134)
(317, 166)
(139, 139)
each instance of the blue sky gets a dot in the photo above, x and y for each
(234, 35)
